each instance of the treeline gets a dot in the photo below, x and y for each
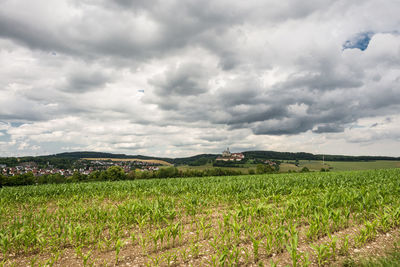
(197, 160)
(116, 173)
(232, 164)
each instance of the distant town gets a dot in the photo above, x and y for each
(82, 166)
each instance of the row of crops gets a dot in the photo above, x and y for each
(295, 219)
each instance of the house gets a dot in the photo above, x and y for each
(226, 153)
(228, 156)
(270, 163)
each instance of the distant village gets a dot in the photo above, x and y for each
(85, 167)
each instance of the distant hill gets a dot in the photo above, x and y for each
(89, 154)
(200, 159)
(63, 160)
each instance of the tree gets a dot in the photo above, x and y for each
(115, 173)
(94, 176)
(27, 179)
(168, 172)
(77, 177)
(132, 175)
(2, 180)
(305, 169)
(262, 168)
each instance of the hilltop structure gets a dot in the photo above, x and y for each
(228, 156)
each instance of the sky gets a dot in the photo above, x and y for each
(178, 78)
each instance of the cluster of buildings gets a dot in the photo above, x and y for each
(126, 165)
(32, 167)
(85, 167)
(270, 163)
(228, 156)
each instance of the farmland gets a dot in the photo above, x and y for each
(285, 219)
(316, 165)
(155, 161)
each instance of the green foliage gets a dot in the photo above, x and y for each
(263, 168)
(231, 164)
(199, 162)
(114, 173)
(168, 172)
(305, 169)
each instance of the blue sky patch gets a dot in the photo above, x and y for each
(360, 41)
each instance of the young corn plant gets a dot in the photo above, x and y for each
(344, 248)
(305, 261)
(332, 245)
(322, 253)
(86, 257)
(256, 246)
(171, 258)
(174, 231)
(195, 250)
(184, 254)
(291, 245)
(118, 246)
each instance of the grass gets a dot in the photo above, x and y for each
(244, 170)
(290, 219)
(312, 165)
(354, 166)
(316, 165)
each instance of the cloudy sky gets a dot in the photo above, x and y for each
(177, 78)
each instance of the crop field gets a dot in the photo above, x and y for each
(155, 161)
(308, 219)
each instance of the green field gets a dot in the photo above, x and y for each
(316, 165)
(380, 164)
(243, 170)
(313, 165)
(284, 219)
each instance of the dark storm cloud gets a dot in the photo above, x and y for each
(322, 81)
(329, 128)
(103, 31)
(84, 81)
(136, 4)
(213, 138)
(30, 34)
(257, 114)
(186, 79)
(285, 127)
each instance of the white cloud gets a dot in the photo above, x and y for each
(178, 78)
